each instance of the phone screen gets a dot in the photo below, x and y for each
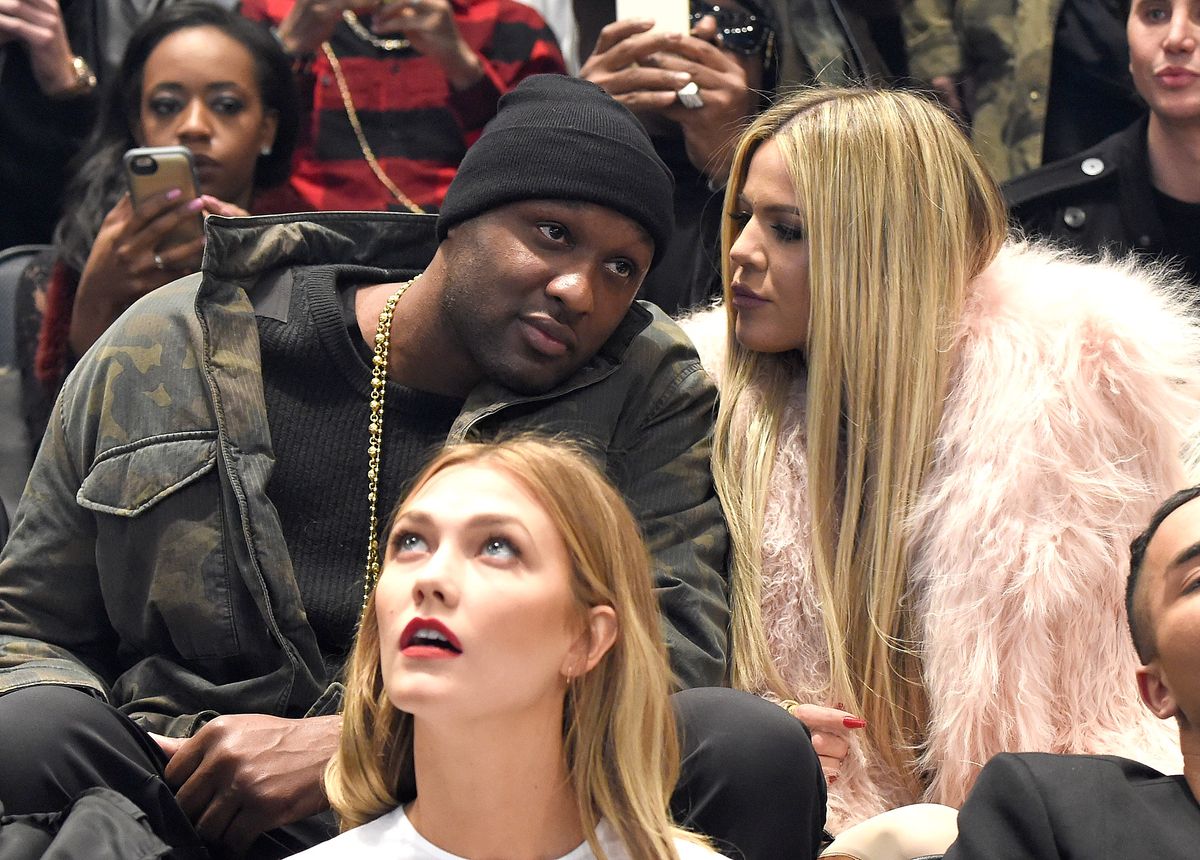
(672, 16)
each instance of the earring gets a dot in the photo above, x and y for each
(266, 150)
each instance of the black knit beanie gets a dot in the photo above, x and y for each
(560, 138)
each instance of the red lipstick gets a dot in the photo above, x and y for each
(429, 639)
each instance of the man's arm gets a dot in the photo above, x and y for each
(53, 627)
(1004, 815)
(666, 477)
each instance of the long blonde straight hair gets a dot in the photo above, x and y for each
(901, 215)
(618, 729)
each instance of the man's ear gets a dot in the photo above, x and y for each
(1155, 691)
(598, 635)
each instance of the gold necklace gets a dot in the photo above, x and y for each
(379, 369)
(356, 26)
(368, 153)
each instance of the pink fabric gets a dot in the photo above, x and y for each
(1074, 390)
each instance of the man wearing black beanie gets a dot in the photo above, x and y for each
(187, 567)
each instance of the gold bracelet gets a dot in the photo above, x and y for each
(788, 704)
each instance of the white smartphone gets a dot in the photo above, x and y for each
(155, 169)
(673, 16)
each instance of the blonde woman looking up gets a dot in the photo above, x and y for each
(933, 446)
(509, 673)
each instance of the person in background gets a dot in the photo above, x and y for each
(1052, 806)
(694, 93)
(1138, 190)
(1036, 80)
(53, 56)
(196, 75)
(47, 100)
(396, 91)
(508, 689)
(932, 447)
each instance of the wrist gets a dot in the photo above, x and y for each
(73, 77)
(462, 66)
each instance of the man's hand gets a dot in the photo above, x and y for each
(710, 132)
(644, 68)
(309, 23)
(39, 25)
(616, 65)
(242, 775)
(430, 26)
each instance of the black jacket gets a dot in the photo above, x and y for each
(1099, 199)
(1035, 805)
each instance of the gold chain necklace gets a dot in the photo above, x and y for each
(379, 369)
(356, 26)
(368, 153)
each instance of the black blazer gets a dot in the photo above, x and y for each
(1036, 805)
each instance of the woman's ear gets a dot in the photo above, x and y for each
(1156, 691)
(595, 640)
(266, 137)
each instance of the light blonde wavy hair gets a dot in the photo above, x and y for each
(618, 727)
(901, 215)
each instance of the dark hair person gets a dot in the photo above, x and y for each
(194, 75)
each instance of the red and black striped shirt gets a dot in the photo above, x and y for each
(418, 127)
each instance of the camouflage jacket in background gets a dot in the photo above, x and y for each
(146, 564)
(1002, 50)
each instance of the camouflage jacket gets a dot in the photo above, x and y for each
(1002, 49)
(146, 564)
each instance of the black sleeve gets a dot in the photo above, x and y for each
(1004, 816)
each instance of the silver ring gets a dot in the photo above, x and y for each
(689, 96)
(159, 264)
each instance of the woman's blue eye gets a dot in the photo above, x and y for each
(498, 547)
(409, 542)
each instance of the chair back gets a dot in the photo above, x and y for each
(16, 449)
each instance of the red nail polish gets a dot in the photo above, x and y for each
(854, 723)
(832, 778)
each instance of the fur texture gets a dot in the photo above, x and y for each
(1074, 389)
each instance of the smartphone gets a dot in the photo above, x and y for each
(673, 16)
(156, 169)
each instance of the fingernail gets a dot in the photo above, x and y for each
(196, 205)
(832, 778)
(854, 723)
(682, 78)
(174, 193)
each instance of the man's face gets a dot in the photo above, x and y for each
(534, 289)
(1169, 605)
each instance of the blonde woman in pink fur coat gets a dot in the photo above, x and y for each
(934, 445)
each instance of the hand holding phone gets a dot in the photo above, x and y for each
(157, 170)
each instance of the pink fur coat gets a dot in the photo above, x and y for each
(1074, 390)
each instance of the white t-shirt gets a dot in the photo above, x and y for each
(394, 837)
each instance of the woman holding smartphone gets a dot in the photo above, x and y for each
(193, 75)
(933, 446)
(508, 690)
